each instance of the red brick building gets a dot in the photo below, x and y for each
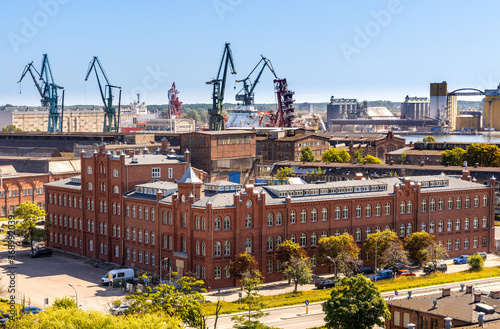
(119, 212)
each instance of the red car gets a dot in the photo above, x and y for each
(405, 273)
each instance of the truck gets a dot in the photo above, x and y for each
(120, 274)
(432, 267)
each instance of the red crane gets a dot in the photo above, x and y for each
(286, 112)
(174, 105)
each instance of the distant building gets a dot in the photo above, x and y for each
(340, 108)
(442, 106)
(492, 108)
(415, 108)
(171, 125)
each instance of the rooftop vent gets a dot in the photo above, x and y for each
(487, 309)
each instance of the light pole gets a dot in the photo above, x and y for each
(76, 294)
(334, 269)
(380, 236)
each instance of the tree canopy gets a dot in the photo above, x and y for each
(11, 127)
(336, 155)
(416, 244)
(342, 249)
(454, 157)
(383, 240)
(370, 159)
(393, 255)
(243, 265)
(299, 270)
(306, 155)
(429, 139)
(284, 173)
(30, 214)
(486, 155)
(355, 303)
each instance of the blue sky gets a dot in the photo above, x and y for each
(354, 49)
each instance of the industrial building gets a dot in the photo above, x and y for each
(340, 108)
(415, 108)
(492, 109)
(443, 105)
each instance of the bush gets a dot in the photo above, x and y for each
(64, 303)
(476, 263)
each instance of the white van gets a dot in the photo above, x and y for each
(121, 274)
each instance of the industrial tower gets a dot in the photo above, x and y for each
(174, 105)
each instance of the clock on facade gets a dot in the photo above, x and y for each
(249, 203)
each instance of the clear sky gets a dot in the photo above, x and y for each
(354, 49)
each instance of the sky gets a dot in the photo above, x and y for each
(369, 50)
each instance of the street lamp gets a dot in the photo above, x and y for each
(76, 294)
(380, 236)
(334, 269)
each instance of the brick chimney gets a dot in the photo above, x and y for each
(187, 156)
(358, 176)
(403, 172)
(466, 175)
(468, 289)
(477, 297)
(495, 294)
(445, 292)
(164, 144)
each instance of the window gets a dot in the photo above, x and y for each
(270, 266)
(388, 208)
(459, 203)
(279, 219)
(156, 172)
(466, 224)
(91, 245)
(134, 255)
(450, 203)
(483, 242)
(89, 170)
(423, 227)
(466, 243)
(409, 207)
(358, 234)
(146, 213)
(203, 248)
(140, 256)
(449, 226)
(476, 201)
(146, 236)
(358, 211)
(184, 244)
(467, 202)
(440, 226)
(170, 173)
(115, 173)
(196, 221)
(139, 212)
(378, 209)
(457, 225)
(314, 215)
(346, 212)
(441, 204)
(140, 235)
(433, 205)
(448, 245)
(402, 207)
(116, 189)
(292, 217)
(368, 231)
(218, 224)
(203, 223)
(476, 222)
(118, 208)
(117, 251)
(303, 216)
(337, 232)
(227, 248)
(314, 239)
(127, 211)
(368, 210)
(248, 221)
(218, 249)
(197, 247)
(303, 240)
(133, 211)
(248, 246)
(133, 234)
(270, 219)
(402, 230)
(485, 222)
(337, 212)
(279, 241)
(203, 272)
(89, 186)
(270, 242)
(217, 273)
(485, 201)
(292, 238)
(324, 214)
(227, 223)
(474, 242)
(170, 220)
(457, 244)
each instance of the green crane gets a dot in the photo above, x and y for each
(246, 94)
(48, 92)
(216, 120)
(111, 123)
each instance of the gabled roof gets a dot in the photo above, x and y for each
(190, 177)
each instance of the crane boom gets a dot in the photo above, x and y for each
(216, 121)
(110, 121)
(48, 92)
(246, 94)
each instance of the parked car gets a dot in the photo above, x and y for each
(118, 309)
(44, 251)
(432, 267)
(462, 259)
(31, 310)
(482, 254)
(325, 284)
(405, 273)
(382, 275)
(366, 270)
(398, 266)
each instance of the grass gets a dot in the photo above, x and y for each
(401, 283)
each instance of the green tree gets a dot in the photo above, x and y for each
(435, 252)
(306, 155)
(192, 114)
(60, 318)
(299, 270)
(358, 156)
(341, 248)
(286, 251)
(416, 245)
(284, 173)
(453, 157)
(393, 255)
(383, 239)
(243, 265)
(336, 155)
(30, 213)
(355, 303)
(429, 139)
(486, 155)
(476, 263)
(370, 159)
(402, 158)
(11, 127)
(64, 303)
(184, 303)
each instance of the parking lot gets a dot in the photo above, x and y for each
(49, 277)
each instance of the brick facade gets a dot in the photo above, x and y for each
(288, 147)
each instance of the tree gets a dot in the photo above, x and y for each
(358, 156)
(383, 240)
(306, 155)
(402, 158)
(283, 173)
(370, 159)
(393, 255)
(355, 303)
(61, 318)
(453, 157)
(429, 139)
(243, 265)
(192, 114)
(64, 303)
(342, 249)
(286, 251)
(336, 155)
(30, 214)
(476, 263)
(11, 127)
(299, 270)
(435, 252)
(416, 244)
(486, 155)
(183, 303)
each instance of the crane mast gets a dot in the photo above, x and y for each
(110, 114)
(44, 83)
(216, 120)
(246, 94)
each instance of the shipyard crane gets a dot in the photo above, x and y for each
(246, 94)
(286, 112)
(111, 122)
(216, 121)
(44, 83)
(174, 105)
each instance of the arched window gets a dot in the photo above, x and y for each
(227, 248)
(279, 241)
(248, 246)
(127, 211)
(368, 210)
(114, 208)
(449, 226)
(466, 224)
(337, 212)
(118, 231)
(314, 239)
(440, 226)
(184, 247)
(292, 217)
(377, 229)
(408, 229)
(139, 212)
(485, 222)
(203, 223)
(218, 249)
(227, 223)
(146, 236)
(409, 207)
(248, 221)
(467, 202)
(358, 234)
(118, 208)
(423, 227)
(303, 216)
(358, 211)
(292, 238)
(89, 186)
(314, 215)
(171, 245)
(388, 208)
(114, 230)
(270, 242)
(485, 201)
(218, 224)
(476, 201)
(378, 209)
(196, 221)
(368, 231)
(402, 207)
(127, 233)
(164, 240)
(270, 219)
(303, 240)
(337, 232)
(170, 220)
(345, 212)
(324, 234)
(140, 235)
(457, 225)
(116, 189)
(459, 203)
(324, 214)
(115, 173)
(146, 213)
(441, 204)
(133, 211)
(279, 219)
(133, 234)
(402, 230)
(433, 205)
(197, 247)
(450, 203)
